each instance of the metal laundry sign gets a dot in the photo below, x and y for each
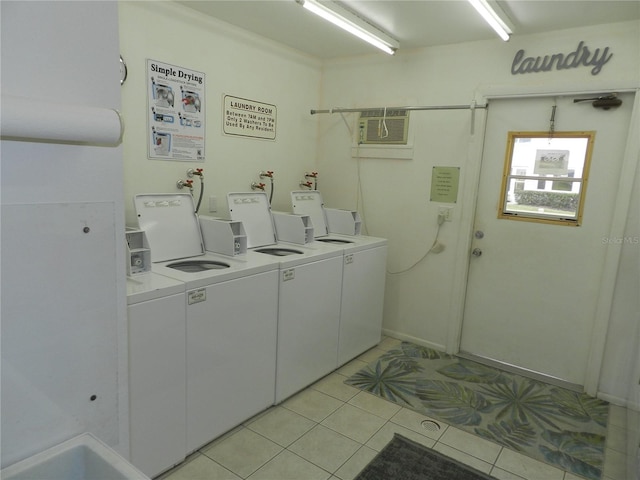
(580, 57)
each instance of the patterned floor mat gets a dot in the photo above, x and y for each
(557, 426)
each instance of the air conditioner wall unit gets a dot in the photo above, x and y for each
(380, 127)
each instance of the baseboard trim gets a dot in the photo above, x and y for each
(416, 340)
(620, 402)
(558, 382)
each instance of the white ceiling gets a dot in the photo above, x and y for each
(414, 23)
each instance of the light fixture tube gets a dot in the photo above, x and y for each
(352, 24)
(492, 18)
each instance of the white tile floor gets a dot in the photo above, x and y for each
(332, 430)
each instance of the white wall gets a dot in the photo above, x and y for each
(235, 63)
(622, 374)
(421, 305)
(63, 290)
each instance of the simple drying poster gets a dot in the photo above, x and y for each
(176, 112)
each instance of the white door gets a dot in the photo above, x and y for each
(532, 291)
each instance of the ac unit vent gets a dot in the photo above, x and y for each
(384, 128)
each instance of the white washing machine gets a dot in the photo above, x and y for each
(309, 296)
(157, 372)
(231, 318)
(363, 281)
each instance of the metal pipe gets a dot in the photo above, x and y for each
(426, 107)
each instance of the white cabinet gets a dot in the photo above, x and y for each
(204, 361)
(309, 316)
(231, 354)
(157, 383)
(361, 310)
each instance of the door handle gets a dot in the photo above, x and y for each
(476, 252)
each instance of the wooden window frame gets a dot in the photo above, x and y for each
(507, 177)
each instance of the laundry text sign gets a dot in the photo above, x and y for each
(582, 56)
(248, 118)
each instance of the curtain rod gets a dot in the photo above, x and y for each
(473, 106)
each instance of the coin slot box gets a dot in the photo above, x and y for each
(138, 252)
(293, 228)
(325, 220)
(346, 222)
(226, 237)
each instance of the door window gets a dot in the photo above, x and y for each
(545, 176)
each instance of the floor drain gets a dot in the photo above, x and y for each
(430, 425)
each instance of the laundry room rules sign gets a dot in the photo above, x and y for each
(248, 118)
(175, 103)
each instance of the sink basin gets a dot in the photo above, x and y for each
(198, 265)
(279, 252)
(81, 458)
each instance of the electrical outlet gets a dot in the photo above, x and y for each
(446, 212)
(213, 204)
(437, 247)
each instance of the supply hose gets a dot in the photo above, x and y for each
(271, 192)
(201, 193)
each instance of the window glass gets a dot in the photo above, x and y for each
(546, 176)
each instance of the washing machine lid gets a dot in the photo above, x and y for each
(309, 202)
(254, 211)
(171, 225)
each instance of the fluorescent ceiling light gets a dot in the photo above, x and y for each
(352, 24)
(492, 18)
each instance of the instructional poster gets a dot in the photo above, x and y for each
(176, 112)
